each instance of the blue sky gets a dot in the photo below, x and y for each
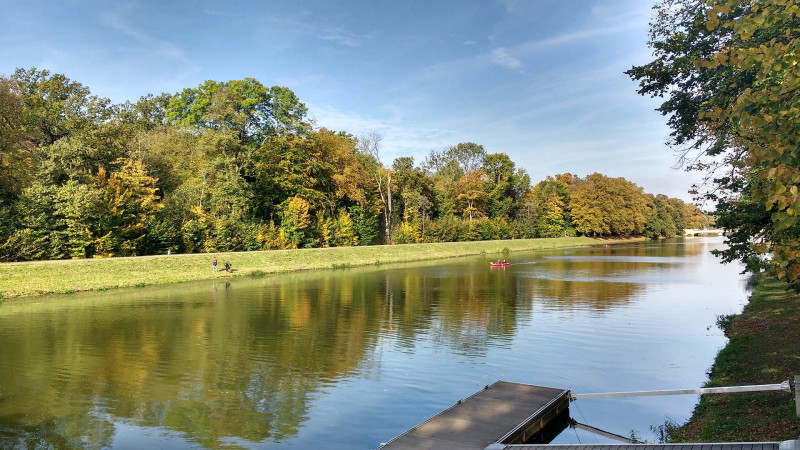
(540, 80)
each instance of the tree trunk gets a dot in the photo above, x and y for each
(388, 210)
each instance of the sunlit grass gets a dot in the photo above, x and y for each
(762, 350)
(44, 277)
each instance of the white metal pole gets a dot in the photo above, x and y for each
(785, 386)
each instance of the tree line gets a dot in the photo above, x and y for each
(236, 166)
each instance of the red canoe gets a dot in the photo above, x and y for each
(500, 264)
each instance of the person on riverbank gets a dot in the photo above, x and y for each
(214, 265)
(228, 267)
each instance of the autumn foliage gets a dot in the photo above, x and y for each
(236, 166)
(729, 72)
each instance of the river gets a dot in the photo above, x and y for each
(350, 358)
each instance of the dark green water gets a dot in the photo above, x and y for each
(351, 358)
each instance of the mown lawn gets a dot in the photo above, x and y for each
(764, 348)
(44, 277)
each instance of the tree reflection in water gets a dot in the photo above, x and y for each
(244, 363)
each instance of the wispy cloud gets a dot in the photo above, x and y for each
(400, 138)
(510, 5)
(343, 37)
(503, 57)
(513, 56)
(159, 46)
(576, 36)
(337, 35)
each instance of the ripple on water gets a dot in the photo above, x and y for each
(313, 357)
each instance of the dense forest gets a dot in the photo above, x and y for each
(236, 165)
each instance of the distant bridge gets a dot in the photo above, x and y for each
(704, 232)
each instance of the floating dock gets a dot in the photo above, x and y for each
(502, 413)
(717, 446)
(511, 416)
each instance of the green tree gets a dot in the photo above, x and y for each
(78, 209)
(505, 187)
(660, 221)
(469, 156)
(369, 146)
(14, 142)
(56, 107)
(729, 72)
(446, 168)
(14, 154)
(365, 223)
(148, 113)
(39, 231)
(550, 199)
(414, 192)
(245, 110)
(286, 167)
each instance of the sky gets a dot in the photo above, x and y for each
(539, 80)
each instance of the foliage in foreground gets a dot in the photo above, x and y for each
(729, 72)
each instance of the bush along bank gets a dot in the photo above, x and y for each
(763, 349)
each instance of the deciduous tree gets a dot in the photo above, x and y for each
(729, 72)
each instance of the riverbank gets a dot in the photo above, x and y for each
(66, 276)
(762, 349)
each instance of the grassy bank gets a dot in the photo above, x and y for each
(44, 277)
(763, 349)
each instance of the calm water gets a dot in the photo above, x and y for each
(351, 358)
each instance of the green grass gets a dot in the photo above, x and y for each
(763, 349)
(46, 277)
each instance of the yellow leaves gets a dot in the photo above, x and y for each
(790, 272)
(794, 271)
(722, 9)
(198, 211)
(297, 211)
(712, 22)
(760, 247)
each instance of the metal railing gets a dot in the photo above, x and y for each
(785, 386)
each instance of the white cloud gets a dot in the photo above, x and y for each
(503, 57)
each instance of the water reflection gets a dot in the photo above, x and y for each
(245, 362)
